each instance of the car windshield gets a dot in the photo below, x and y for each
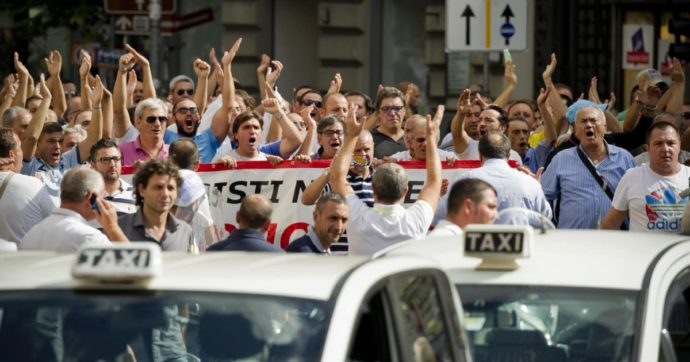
(159, 326)
(525, 323)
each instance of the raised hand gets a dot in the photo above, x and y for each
(464, 105)
(127, 62)
(593, 91)
(19, 66)
(95, 93)
(550, 69)
(201, 68)
(273, 75)
(353, 127)
(212, 57)
(131, 81)
(509, 73)
(677, 74)
(305, 113)
(336, 83)
(543, 95)
(85, 66)
(271, 105)
(54, 63)
(433, 124)
(45, 92)
(138, 58)
(219, 74)
(229, 55)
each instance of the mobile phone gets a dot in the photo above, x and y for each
(94, 204)
(506, 56)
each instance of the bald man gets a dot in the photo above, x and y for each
(253, 218)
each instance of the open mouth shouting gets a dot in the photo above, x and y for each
(55, 156)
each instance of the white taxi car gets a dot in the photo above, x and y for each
(129, 302)
(567, 295)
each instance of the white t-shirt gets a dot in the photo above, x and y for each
(652, 200)
(472, 150)
(24, 203)
(372, 229)
(446, 228)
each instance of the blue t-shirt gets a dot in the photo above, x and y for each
(52, 175)
(206, 141)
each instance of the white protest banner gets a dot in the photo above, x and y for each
(283, 185)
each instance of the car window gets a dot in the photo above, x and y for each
(677, 318)
(534, 323)
(159, 326)
(423, 320)
(372, 340)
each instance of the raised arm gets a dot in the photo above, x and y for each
(341, 163)
(130, 87)
(457, 126)
(291, 137)
(431, 191)
(212, 80)
(23, 74)
(54, 65)
(220, 123)
(149, 87)
(558, 109)
(95, 131)
(107, 111)
(261, 74)
(675, 100)
(33, 130)
(511, 82)
(120, 114)
(202, 70)
(644, 103)
(310, 124)
(84, 72)
(9, 92)
(550, 126)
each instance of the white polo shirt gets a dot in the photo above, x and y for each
(24, 204)
(63, 231)
(372, 229)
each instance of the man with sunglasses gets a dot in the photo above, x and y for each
(150, 119)
(307, 99)
(107, 160)
(187, 118)
(181, 87)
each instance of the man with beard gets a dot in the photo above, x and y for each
(107, 160)
(330, 221)
(584, 200)
(187, 119)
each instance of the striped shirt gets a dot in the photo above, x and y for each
(583, 204)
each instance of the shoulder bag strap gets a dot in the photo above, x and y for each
(604, 186)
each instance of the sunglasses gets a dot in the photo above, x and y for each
(192, 110)
(330, 133)
(107, 160)
(181, 92)
(685, 115)
(386, 109)
(309, 102)
(153, 119)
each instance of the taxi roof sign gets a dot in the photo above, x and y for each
(498, 245)
(118, 262)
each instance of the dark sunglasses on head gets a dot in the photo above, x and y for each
(153, 119)
(309, 102)
(181, 92)
(185, 110)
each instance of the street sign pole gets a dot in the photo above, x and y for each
(155, 16)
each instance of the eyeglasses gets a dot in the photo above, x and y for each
(181, 92)
(386, 109)
(685, 115)
(309, 102)
(193, 110)
(330, 133)
(153, 119)
(108, 160)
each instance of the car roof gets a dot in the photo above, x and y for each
(300, 275)
(572, 258)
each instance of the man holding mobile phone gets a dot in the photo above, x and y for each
(67, 228)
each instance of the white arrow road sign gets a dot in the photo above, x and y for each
(486, 25)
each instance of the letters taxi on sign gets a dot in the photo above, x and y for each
(132, 302)
(567, 295)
